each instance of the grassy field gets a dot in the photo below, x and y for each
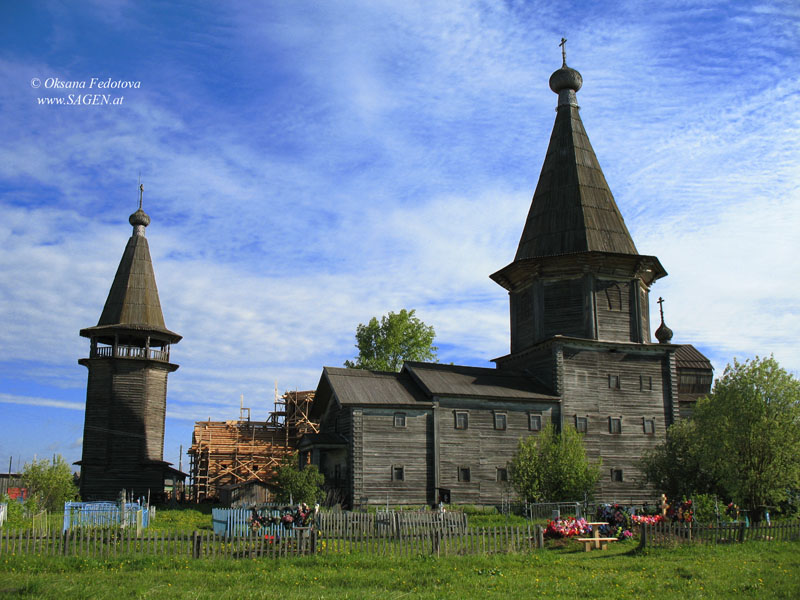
(752, 570)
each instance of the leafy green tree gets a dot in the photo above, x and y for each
(676, 466)
(49, 483)
(553, 467)
(748, 433)
(398, 337)
(299, 485)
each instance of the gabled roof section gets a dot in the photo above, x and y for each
(133, 302)
(689, 357)
(477, 382)
(362, 387)
(572, 209)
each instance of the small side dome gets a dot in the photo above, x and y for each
(663, 334)
(139, 218)
(566, 79)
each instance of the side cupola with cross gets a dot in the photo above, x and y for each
(126, 394)
(576, 272)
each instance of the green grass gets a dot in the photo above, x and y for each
(183, 519)
(752, 570)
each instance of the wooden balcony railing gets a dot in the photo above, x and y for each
(130, 352)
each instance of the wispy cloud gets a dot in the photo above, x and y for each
(29, 401)
(308, 169)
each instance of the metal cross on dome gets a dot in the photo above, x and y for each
(563, 45)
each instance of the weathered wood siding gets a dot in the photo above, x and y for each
(386, 446)
(482, 448)
(539, 362)
(123, 427)
(613, 305)
(523, 326)
(563, 308)
(587, 394)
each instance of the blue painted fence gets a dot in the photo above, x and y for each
(235, 522)
(103, 514)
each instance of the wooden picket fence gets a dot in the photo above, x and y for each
(664, 534)
(394, 524)
(102, 543)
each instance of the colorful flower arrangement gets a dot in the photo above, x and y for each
(618, 519)
(732, 511)
(681, 512)
(565, 528)
(647, 519)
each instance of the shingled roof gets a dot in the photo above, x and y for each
(362, 387)
(133, 302)
(572, 209)
(689, 357)
(476, 382)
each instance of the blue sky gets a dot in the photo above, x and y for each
(309, 165)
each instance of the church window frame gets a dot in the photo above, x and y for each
(534, 421)
(645, 383)
(614, 382)
(500, 421)
(648, 426)
(464, 475)
(501, 475)
(398, 473)
(461, 419)
(581, 424)
(615, 425)
(400, 420)
(617, 475)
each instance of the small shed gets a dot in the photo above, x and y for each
(247, 493)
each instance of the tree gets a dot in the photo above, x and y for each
(397, 338)
(299, 485)
(49, 483)
(748, 432)
(553, 467)
(676, 466)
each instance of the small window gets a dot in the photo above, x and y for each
(463, 474)
(649, 426)
(614, 425)
(616, 475)
(399, 419)
(500, 421)
(645, 383)
(502, 474)
(613, 382)
(398, 473)
(582, 424)
(534, 422)
(462, 420)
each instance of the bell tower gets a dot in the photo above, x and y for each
(577, 272)
(126, 393)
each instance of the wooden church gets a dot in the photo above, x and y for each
(126, 393)
(581, 356)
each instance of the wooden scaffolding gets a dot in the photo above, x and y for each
(229, 452)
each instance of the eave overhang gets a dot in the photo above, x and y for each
(646, 268)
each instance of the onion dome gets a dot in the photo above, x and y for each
(566, 78)
(663, 333)
(139, 218)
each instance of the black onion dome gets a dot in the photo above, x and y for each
(663, 334)
(565, 79)
(139, 218)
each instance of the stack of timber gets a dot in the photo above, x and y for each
(225, 453)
